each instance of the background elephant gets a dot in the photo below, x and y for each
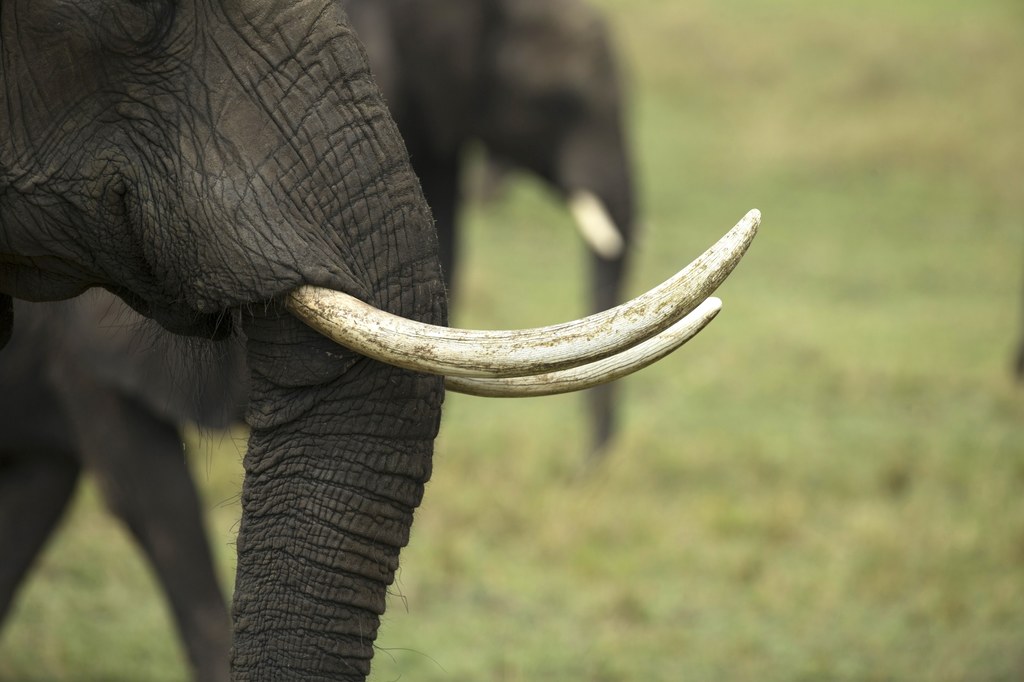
(538, 84)
(85, 388)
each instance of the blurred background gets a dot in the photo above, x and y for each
(827, 484)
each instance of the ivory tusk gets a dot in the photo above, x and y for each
(594, 373)
(595, 225)
(458, 352)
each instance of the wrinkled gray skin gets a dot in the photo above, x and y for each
(87, 387)
(199, 158)
(536, 82)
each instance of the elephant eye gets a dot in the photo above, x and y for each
(132, 27)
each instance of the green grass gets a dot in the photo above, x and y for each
(827, 484)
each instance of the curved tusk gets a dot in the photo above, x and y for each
(595, 225)
(594, 373)
(459, 352)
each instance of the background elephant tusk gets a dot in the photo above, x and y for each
(472, 353)
(596, 225)
(595, 373)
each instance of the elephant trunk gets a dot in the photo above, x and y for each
(338, 457)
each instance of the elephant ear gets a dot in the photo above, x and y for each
(6, 319)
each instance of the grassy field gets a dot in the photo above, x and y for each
(828, 484)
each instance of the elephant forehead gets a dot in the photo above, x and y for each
(568, 36)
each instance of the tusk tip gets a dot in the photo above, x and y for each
(753, 217)
(743, 233)
(712, 304)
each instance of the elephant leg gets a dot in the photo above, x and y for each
(139, 463)
(601, 407)
(439, 178)
(607, 278)
(34, 492)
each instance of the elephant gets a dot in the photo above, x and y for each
(230, 170)
(537, 83)
(87, 386)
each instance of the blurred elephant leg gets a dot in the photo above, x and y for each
(34, 492)
(601, 406)
(607, 277)
(439, 178)
(140, 466)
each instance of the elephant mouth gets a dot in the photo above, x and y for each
(543, 360)
(187, 322)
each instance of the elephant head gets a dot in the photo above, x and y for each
(203, 158)
(553, 104)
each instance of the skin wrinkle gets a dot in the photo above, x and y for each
(281, 255)
(348, 653)
(275, 73)
(132, 145)
(53, 242)
(305, 617)
(150, 214)
(360, 577)
(272, 570)
(382, 484)
(330, 413)
(386, 502)
(292, 139)
(361, 207)
(323, 585)
(350, 637)
(368, 475)
(159, 21)
(366, 200)
(363, 197)
(358, 582)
